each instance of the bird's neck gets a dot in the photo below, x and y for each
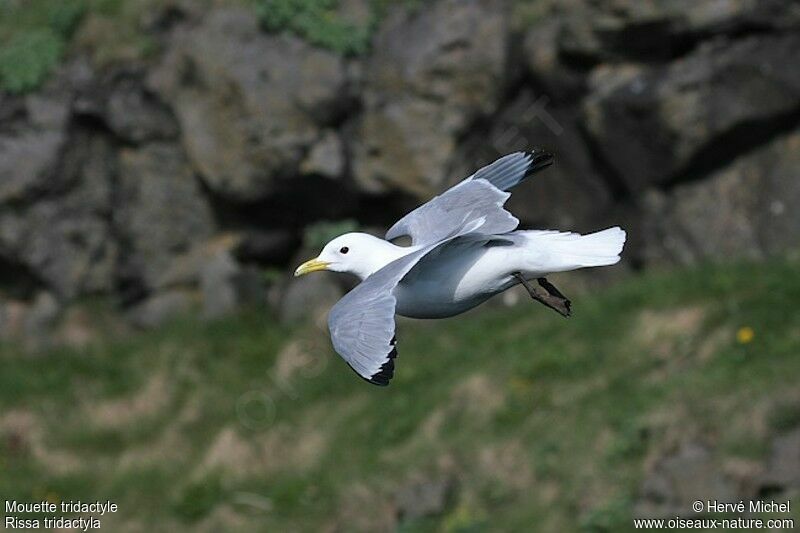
(381, 254)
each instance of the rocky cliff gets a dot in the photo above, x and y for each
(176, 177)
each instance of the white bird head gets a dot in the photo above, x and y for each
(355, 253)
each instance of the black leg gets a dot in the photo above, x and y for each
(563, 303)
(531, 290)
(550, 288)
(552, 298)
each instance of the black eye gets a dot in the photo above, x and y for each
(344, 249)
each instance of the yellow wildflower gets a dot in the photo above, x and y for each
(745, 335)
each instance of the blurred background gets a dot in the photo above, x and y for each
(165, 164)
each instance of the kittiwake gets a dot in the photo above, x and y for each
(464, 249)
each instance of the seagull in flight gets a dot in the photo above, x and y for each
(465, 248)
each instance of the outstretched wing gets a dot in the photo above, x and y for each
(511, 169)
(479, 197)
(362, 322)
(470, 202)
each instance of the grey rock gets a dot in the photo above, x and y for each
(741, 210)
(706, 16)
(162, 212)
(13, 313)
(433, 73)
(186, 269)
(120, 100)
(40, 319)
(662, 29)
(251, 286)
(423, 498)
(357, 13)
(570, 194)
(218, 286)
(402, 146)
(79, 326)
(308, 298)
(249, 104)
(33, 132)
(225, 284)
(69, 247)
(677, 480)
(136, 115)
(158, 309)
(65, 240)
(541, 56)
(55, 183)
(266, 246)
(576, 37)
(783, 465)
(655, 124)
(326, 157)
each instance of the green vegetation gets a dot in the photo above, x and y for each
(112, 30)
(545, 423)
(318, 22)
(36, 34)
(32, 38)
(526, 13)
(321, 22)
(27, 59)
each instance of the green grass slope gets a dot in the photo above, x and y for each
(539, 423)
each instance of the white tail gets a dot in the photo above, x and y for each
(572, 250)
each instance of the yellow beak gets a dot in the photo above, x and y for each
(312, 265)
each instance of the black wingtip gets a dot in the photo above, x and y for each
(382, 377)
(540, 160)
(386, 373)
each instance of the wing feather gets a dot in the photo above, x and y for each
(511, 169)
(479, 197)
(474, 202)
(362, 323)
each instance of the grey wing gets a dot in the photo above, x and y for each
(474, 203)
(479, 197)
(512, 169)
(362, 322)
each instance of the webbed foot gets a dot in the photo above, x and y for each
(550, 296)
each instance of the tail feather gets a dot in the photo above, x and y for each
(601, 248)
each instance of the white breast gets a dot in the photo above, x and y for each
(453, 282)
